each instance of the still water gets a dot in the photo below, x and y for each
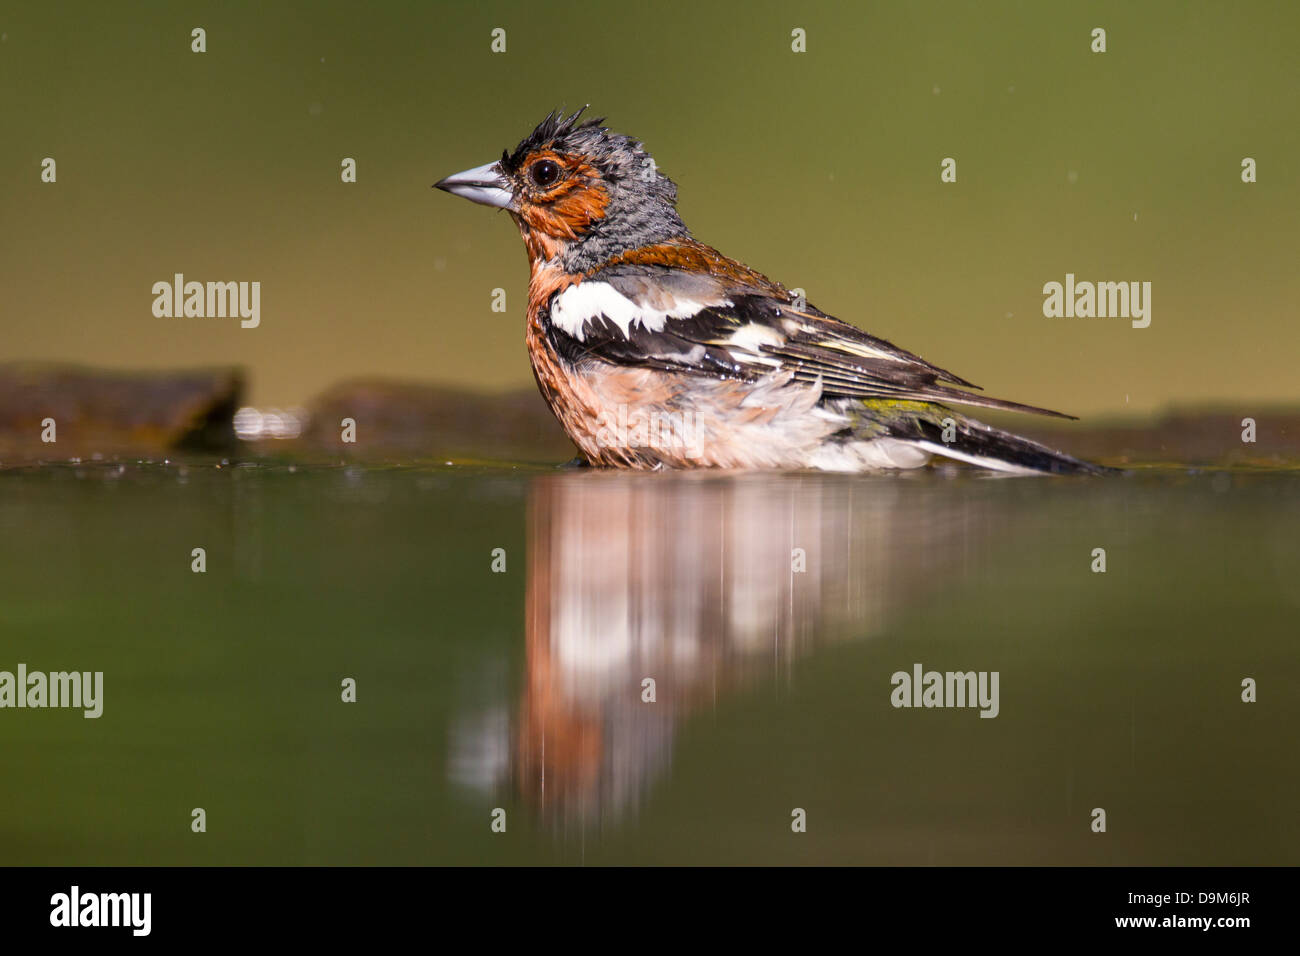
(770, 613)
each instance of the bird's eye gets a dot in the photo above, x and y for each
(544, 172)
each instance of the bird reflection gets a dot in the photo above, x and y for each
(651, 596)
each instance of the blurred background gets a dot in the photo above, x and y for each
(821, 169)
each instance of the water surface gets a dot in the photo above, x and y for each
(769, 610)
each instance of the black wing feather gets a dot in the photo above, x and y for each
(805, 342)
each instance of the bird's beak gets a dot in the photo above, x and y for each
(482, 184)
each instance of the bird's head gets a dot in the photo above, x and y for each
(579, 193)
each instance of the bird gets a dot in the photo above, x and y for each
(656, 351)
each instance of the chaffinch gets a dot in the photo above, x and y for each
(656, 350)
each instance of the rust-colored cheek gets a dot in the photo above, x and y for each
(568, 211)
(577, 210)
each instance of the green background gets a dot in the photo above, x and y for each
(821, 169)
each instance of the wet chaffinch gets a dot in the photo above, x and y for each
(654, 349)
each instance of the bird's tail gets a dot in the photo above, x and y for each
(975, 443)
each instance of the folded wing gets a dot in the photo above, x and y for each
(742, 327)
